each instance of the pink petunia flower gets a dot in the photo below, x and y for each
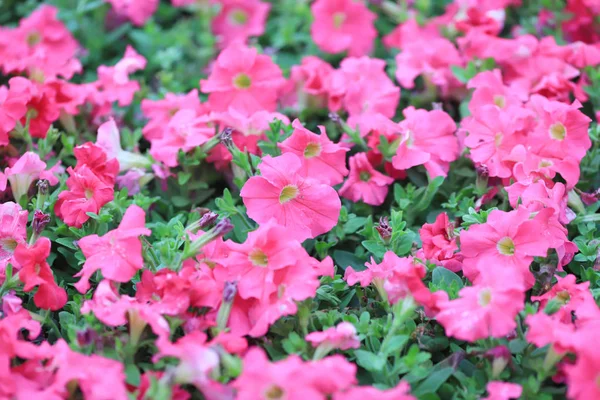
(118, 254)
(28, 169)
(426, 138)
(439, 243)
(503, 391)
(364, 182)
(137, 11)
(299, 202)
(240, 19)
(109, 139)
(13, 232)
(507, 241)
(431, 59)
(343, 25)
(291, 378)
(13, 107)
(343, 337)
(308, 84)
(486, 309)
(400, 392)
(185, 131)
(242, 78)
(321, 158)
(35, 271)
(95, 158)
(87, 193)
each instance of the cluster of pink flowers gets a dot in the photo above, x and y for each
(525, 136)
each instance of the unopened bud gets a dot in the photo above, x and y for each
(225, 137)
(384, 228)
(40, 220)
(43, 186)
(208, 219)
(229, 291)
(223, 227)
(334, 117)
(500, 357)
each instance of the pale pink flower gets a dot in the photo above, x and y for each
(299, 202)
(13, 231)
(503, 391)
(321, 158)
(400, 392)
(159, 112)
(118, 254)
(28, 169)
(426, 138)
(137, 11)
(242, 78)
(364, 182)
(343, 25)
(240, 19)
(343, 337)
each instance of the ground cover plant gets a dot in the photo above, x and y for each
(293, 199)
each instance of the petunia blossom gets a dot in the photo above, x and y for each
(365, 182)
(118, 254)
(297, 201)
(238, 20)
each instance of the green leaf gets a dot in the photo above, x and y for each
(433, 382)
(375, 247)
(369, 361)
(441, 276)
(394, 345)
(345, 259)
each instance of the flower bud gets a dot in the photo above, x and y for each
(384, 228)
(40, 220)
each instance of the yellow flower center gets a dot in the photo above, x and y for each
(506, 246)
(338, 19)
(274, 392)
(89, 193)
(258, 258)
(558, 131)
(498, 139)
(365, 176)
(500, 101)
(238, 17)
(485, 297)
(33, 38)
(563, 296)
(312, 150)
(8, 244)
(242, 81)
(288, 193)
(545, 163)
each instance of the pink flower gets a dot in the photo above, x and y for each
(41, 46)
(42, 109)
(35, 271)
(255, 263)
(400, 392)
(364, 182)
(114, 84)
(582, 377)
(197, 360)
(87, 193)
(508, 241)
(343, 25)
(13, 232)
(493, 133)
(242, 78)
(432, 59)
(321, 158)
(439, 243)
(491, 90)
(240, 19)
(137, 11)
(376, 273)
(503, 391)
(562, 129)
(114, 310)
(426, 138)
(159, 112)
(12, 109)
(291, 378)
(185, 131)
(109, 139)
(343, 337)
(24, 172)
(486, 309)
(571, 297)
(302, 204)
(95, 158)
(118, 254)
(308, 83)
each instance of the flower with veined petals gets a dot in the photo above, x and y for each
(242, 78)
(240, 19)
(365, 182)
(87, 193)
(35, 271)
(321, 157)
(118, 254)
(343, 25)
(297, 201)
